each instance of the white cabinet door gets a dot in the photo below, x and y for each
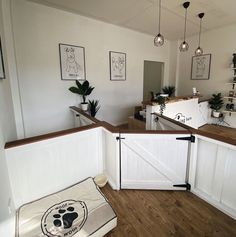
(153, 161)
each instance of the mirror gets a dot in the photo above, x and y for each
(152, 78)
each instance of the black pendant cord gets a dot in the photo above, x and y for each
(200, 15)
(185, 23)
(159, 23)
(200, 31)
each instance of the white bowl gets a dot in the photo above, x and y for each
(100, 180)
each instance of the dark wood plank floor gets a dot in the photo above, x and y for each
(166, 213)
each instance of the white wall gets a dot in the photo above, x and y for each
(221, 44)
(7, 132)
(45, 97)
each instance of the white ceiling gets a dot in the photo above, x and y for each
(141, 15)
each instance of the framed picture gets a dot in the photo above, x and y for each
(117, 66)
(201, 67)
(72, 62)
(2, 71)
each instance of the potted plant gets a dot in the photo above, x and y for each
(216, 103)
(83, 89)
(170, 90)
(93, 107)
(162, 102)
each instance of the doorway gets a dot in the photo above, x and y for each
(152, 78)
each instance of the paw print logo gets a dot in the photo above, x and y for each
(64, 219)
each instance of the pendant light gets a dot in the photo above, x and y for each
(199, 50)
(159, 39)
(184, 45)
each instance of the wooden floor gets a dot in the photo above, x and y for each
(166, 213)
(220, 130)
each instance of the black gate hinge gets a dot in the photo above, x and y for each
(119, 138)
(190, 138)
(187, 186)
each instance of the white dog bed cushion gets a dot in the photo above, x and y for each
(79, 211)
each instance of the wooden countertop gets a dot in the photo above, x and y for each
(174, 99)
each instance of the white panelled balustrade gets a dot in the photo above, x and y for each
(41, 168)
(213, 173)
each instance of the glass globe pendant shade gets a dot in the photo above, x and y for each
(184, 46)
(159, 40)
(198, 51)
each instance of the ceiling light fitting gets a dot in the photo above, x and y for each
(159, 39)
(199, 50)
(184, 45)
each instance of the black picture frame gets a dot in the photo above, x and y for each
(72, 58)
(201, 67)
(2, 68)
(117, 62)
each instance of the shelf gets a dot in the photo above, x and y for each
(229, 111)
(229, 97)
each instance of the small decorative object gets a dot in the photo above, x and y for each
(194, 91)
(117, 66)
(170, 90)
(101, 180)
(84, 90)
(184, 45)
(201, 67)
(159, 39)
(93, 107)
(216, 103)
(2, 71)
(234, 60)
(199, 50)
(72, 62)
(231, 93)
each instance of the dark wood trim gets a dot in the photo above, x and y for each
(80, 111)
(109, 127)
(217, 137)
(49, 136)
(203, 100)
(114, 129)
(174, 121)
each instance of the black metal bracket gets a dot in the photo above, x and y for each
(190, 138)
(187, 186)
(119, 138)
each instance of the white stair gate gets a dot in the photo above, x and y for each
(154, 161)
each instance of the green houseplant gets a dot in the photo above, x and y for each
(216, 103)
(83, 89)
(170, 90)
(93, 107)
(162, 102)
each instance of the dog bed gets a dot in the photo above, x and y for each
(79, 211)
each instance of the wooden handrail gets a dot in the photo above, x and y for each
(49, 136)
(114, 129)
(80, 111)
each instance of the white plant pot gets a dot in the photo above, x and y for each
(84, 106)
(216, 114)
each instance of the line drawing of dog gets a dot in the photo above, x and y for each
(118, 64)
(71, 63)
(201, 66)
